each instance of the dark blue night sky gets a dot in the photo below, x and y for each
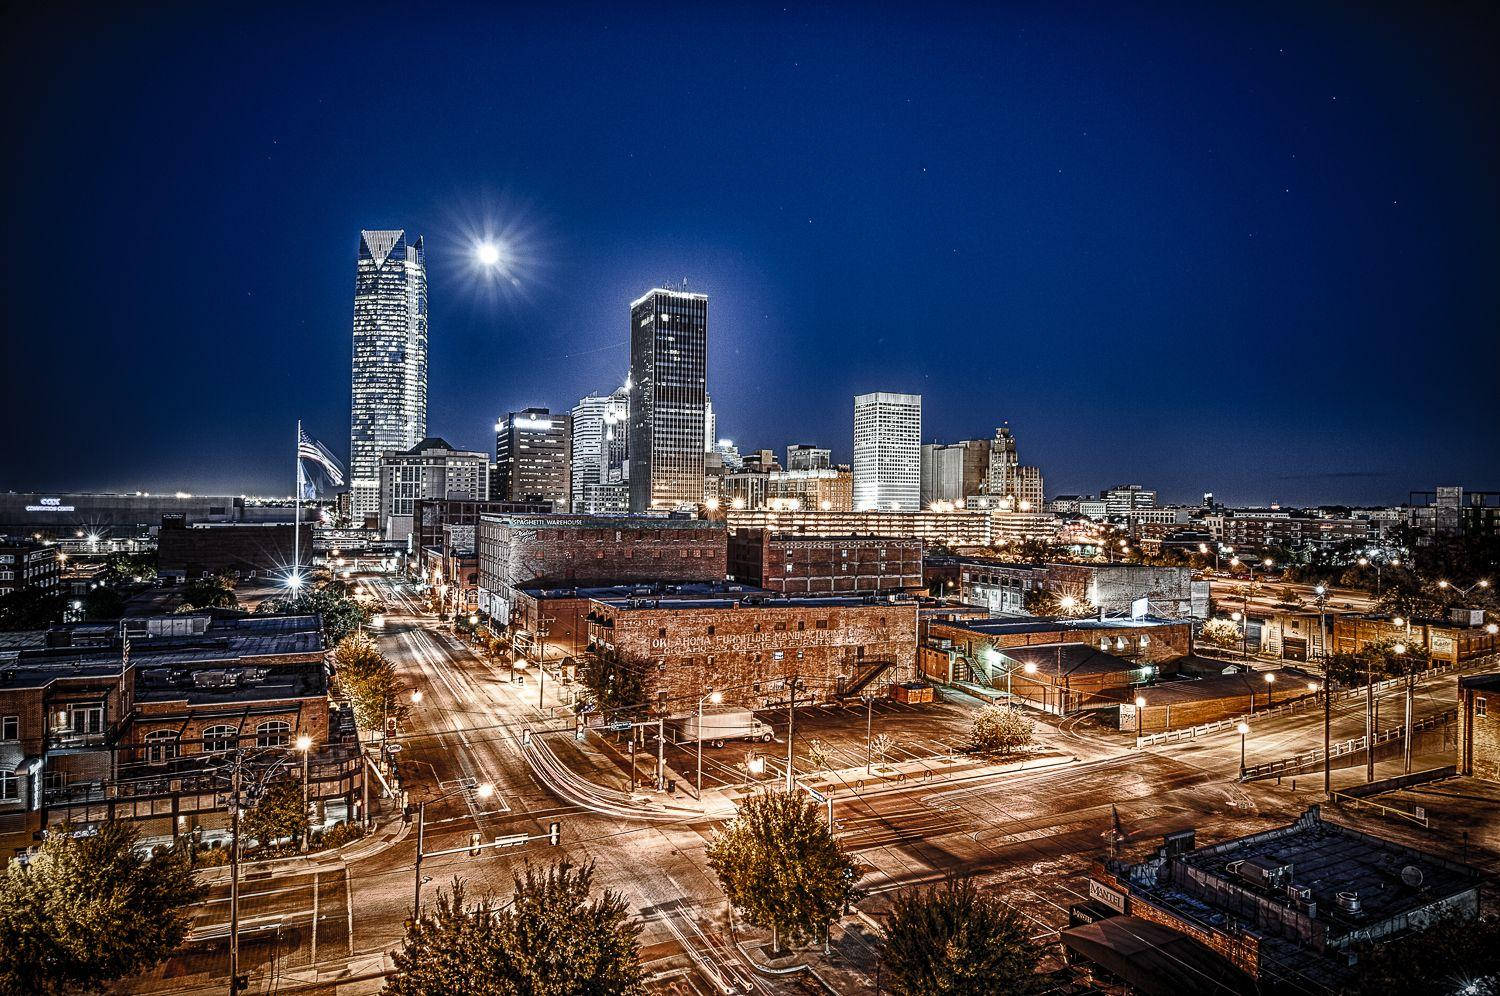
(1250, 253)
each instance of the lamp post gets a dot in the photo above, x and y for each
(1243, 729)
(1140, 711)
(869, 721)
(483, 791)
(1270, 685)
(1322, 595)
(994, 656)
(715, 698)
(304, 744)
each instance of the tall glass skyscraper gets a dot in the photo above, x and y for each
(668, 397)
(388, 407)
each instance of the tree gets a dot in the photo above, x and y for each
(90, 910)
(30, 608)
(1222, 633)
(103, 602)
(1002, 731)
(552, 939)
(369, 681)
(278, 815)
(780, 867)
(342, 614)
(953, 939)
(818, 756)
(210, 593)
(1455, 953)
(882, 745)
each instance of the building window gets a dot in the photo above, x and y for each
(161, 746)
(1479, 707)
(10, 728)
(710, 631)
(276, 733)
(10, 787)
(801, 625)
(821, 624)
(218, 739)
(661, 631)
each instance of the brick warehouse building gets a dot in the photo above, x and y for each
(90, 737)
(821, 565)
(517, 551)
(1479, 726)
(679, 647)
(236, 549)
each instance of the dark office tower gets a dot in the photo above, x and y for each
(388, 407)
(533, 453)
(668, 366)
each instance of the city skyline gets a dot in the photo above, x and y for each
(1155, 283)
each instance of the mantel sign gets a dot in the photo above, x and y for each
(1111, 897)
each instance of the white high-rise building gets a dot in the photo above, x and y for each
(887, 452)
(430, 469)
(388, 404)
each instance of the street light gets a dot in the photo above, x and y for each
(1140, 709)
(1243, 729)
(993, 656)
(715, 698)
(304, 744)
(1270, 685)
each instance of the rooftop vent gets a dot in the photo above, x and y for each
(1348, 901)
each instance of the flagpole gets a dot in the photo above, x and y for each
(297, 515)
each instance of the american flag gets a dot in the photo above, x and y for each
(314, 452)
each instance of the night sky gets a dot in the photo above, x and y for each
(1249, 253)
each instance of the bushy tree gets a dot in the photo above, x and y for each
(277, 814)
(341, 613)
(781, 868)
(86, 911)
(210, 593)
(1456, 953)
(555, 937)
(614, 685)
(369, 681)
(1002, 731)
(1222, 633)
(954, 940)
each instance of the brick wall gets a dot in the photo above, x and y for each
(571, 551)
(802, 565)
(682, 652)
(1479, 736)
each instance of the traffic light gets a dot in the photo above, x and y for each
(554, 833)
(474, 844)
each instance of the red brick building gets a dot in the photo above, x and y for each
(676, 648)
(1446, 642)
(1479, 726)
(522, 551)
(823, 565)
(95, 734)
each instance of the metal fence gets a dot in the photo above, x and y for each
(1313, 759)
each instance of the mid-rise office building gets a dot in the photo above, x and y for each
(25, 563)
(668, 399)
(1123, 499)
(598, 469)
(954, 472)
(388, 406)
(533, 454)
(431, 469)
(828, 490)
(800, 456)
(887, 452)
(1005, 478)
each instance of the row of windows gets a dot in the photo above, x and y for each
(163, 745)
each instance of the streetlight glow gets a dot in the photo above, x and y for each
(1242, 729)
(304, 742)
(416, 696)
(485, 790)
(716, 697)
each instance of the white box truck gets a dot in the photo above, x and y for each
(737, 724)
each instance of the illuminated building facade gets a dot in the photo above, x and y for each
(533, 450)
(668, 399)
(388, 406)
(887, 452)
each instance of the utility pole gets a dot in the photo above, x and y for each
(661, 752)
(791, 719)
(234, 878)
(1327, 693)
(416, 906)
(1370, 720)
(1406, 769)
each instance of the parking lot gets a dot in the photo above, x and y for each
(831, 738)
